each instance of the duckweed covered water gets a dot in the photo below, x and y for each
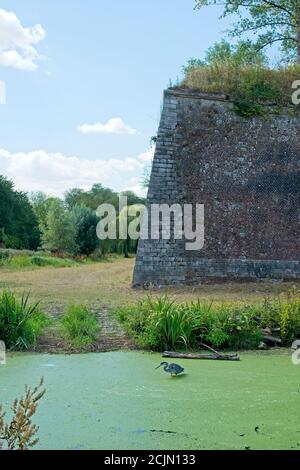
(119, 401)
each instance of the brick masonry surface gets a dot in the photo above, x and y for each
(246, 172)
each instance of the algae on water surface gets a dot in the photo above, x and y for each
(119, 401)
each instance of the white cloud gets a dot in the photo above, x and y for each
(147, 157)
(135, 182)
(112, 126)
(17, 43)
(55, 173)
(135, 185)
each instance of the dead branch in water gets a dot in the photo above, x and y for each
(215, 356)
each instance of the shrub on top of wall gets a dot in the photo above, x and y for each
(252, 87)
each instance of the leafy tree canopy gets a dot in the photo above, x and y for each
(86, 221)
(240, 54)
(18, 222)
(272, 21)
(58, 234)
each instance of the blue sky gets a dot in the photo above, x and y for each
(93, 60)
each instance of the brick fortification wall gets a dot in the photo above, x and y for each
(246, 172)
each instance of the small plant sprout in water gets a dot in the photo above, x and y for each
(20, 432)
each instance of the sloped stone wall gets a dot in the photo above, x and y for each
(246, 172)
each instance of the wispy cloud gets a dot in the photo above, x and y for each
(112, 126)
(55, 173)
(17, 43)
(135, 185)
(147, 157)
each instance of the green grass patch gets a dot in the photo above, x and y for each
(80, 326)
(163, 324)
(23, 261)
(21, 323)
(42, 261)
(100, 258)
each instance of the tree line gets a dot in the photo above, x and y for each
(60, 225)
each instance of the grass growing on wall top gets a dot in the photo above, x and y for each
(251, 86)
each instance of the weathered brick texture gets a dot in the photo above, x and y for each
(246, 172)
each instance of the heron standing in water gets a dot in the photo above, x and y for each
(173, 369)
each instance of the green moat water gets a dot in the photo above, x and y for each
(119, 401)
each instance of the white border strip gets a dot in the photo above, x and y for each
(2, 92)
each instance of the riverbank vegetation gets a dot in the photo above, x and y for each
(80, 326)
(21, 323)
(161, 323)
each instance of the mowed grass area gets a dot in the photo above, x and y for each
(107, 285)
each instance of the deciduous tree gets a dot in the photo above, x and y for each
(273, 21)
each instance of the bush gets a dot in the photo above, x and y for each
(18, 262)
(86, 221)
(20, 323)
(175, 328)
(247, 109)
(40, 261)
(283, 313)
(161, 324)
(167, 324)
(80, 325)
(157, 324)
(43, 261)
(240, 326)
(4, 256)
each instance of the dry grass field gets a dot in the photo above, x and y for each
(106, 285)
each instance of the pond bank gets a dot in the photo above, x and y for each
(112, 336)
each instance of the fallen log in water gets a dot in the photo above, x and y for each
(217, 357)
(271, 339)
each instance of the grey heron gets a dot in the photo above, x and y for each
(173, 369)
